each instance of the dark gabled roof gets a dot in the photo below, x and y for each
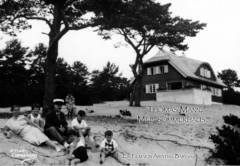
(187, 67)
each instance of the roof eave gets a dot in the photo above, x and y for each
(208, 81)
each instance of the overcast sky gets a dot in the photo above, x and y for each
(217, 44)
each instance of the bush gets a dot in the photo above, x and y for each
(231, 97)
(227, 142)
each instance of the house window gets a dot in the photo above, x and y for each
(147, 88)
(174, 85)
(216, 92)
(220, 92)
(157, 70)
(202, 71)
(152, 88)
(161, 69)
(203, 87)
(149, 71)
(205, 73)
(165, 68)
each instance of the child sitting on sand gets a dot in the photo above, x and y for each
(80, 125)
(78, 150)
(35, 116)
(109, 147)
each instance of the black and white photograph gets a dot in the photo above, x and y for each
(119, 82)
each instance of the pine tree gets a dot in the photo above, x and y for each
(227, 142)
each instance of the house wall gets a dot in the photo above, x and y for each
(187, 96)
(197, 84)
(161, 79)
(172, 76)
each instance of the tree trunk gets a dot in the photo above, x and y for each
(132, 96)
(50, 69)
(137, 70)
(131, 99)
(50, 65)
(138, 91)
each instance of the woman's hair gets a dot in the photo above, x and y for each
(13, 107)
(108, 133)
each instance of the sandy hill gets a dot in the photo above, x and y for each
(157, 134)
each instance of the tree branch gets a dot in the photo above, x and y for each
(45, 33)
(149, 48)
(140, 43)
(129, 41)
(68, 28)
(34, 18)
(69, 2)
(75, 28)
(58, 37)
(64, 20)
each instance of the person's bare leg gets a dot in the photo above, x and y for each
(54, 146)
(42, 123)
(55, 135)
(76, 161)
(88, 134)
(70, 158)
(102, 157)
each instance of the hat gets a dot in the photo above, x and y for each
(58, 101)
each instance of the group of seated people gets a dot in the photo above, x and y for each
(33, 129)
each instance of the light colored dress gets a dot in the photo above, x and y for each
(29, 133)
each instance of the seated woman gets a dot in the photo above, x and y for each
(30, 132)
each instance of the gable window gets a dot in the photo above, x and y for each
(151, 88)
(202, 71)
(157, 70)
(205, 73)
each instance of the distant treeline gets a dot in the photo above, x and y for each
(22, 78)
(231, 80)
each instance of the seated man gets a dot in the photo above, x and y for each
(56, 126)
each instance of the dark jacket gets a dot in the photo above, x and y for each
(53, 120)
